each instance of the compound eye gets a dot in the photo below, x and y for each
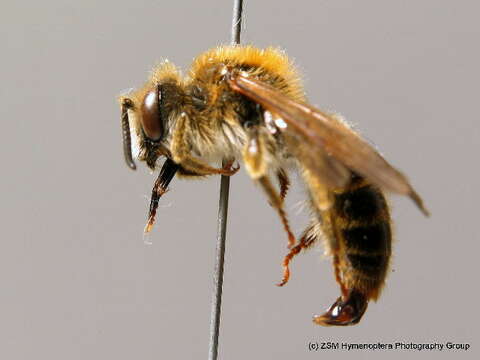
(151, 117)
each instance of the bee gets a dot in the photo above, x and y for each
(241, 103)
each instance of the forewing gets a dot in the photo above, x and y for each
(330, 172)
(327, 134)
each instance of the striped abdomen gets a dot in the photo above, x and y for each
(359, 226)
(361, 223)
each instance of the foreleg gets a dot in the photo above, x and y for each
(181, 153)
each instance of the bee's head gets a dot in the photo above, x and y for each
(146, 113)
(144, 117)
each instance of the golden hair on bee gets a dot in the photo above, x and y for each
(241, 103)
(271, 60)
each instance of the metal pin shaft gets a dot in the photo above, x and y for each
(222, 220)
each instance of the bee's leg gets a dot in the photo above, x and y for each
(183, 173)
(256, 165)
(338, 277)
(199, 168)
(181, 153)
(277, 202)
(327, 219)
(307, 240)
(254, 155)
(284, 183)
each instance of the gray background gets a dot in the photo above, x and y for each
(77, 280)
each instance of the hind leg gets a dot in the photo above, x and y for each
(284, 183)
(306, 241)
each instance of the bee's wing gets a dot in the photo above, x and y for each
(328, 134)
(329, 172)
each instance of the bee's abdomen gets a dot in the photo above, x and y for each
(362, 226)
